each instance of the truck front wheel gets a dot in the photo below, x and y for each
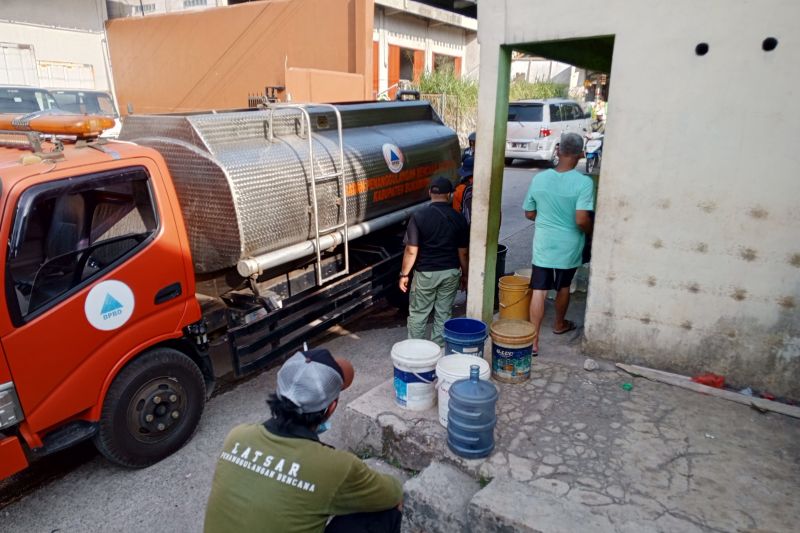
(151, 409)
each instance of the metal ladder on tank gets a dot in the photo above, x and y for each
(338, 175)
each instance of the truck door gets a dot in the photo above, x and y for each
(87, 259)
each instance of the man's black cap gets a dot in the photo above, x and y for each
(441, 185)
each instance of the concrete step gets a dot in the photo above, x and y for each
(507, 506)
(379, 465)
(436, 500)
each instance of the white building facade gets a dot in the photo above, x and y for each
(410, 38)
(43, 44)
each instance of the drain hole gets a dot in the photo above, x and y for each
(769, 44)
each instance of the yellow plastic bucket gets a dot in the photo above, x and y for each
(515, 297)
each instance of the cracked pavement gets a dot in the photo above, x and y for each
(675, 459)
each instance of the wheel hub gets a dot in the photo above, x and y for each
(156, 408)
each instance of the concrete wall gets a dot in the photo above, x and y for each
(696, 258)
(59, 35)
(212, 59)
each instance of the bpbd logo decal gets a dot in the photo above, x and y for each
(393, 157)
(109, 305)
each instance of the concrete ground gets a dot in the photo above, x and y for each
(572, 442)
(171, 495)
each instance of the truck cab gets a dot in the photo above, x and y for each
(95, 271)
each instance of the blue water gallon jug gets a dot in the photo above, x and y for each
(471, 416)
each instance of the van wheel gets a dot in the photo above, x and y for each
(151, 409)
(509, 161)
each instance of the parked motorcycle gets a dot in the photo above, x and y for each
(594, 152)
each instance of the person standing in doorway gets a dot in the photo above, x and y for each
(436, 240)
(559, 200)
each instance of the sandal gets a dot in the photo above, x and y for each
(570, 327)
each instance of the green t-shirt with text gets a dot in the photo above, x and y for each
(270, 483)
(555, 196)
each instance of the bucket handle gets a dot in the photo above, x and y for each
(527, 292)
(423, 379)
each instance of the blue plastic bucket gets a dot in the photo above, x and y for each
(465, 336)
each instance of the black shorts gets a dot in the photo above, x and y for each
(545, 279)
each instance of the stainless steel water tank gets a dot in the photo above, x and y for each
(243, 194)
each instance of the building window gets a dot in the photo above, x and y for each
(195, 3)
(141, 9)
(406, 64)
(443, 63)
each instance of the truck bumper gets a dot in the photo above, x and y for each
(12, 457)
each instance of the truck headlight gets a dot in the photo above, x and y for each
(10, 410)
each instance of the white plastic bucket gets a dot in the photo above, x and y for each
(415, 373)
(449, 370)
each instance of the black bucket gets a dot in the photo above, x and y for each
(500, 271)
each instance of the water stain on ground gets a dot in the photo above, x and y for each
(658, 243)
(701, 247)
(758, 212)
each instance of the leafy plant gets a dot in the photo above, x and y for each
(524, 90)
(465, 90)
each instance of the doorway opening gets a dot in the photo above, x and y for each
(555, 88)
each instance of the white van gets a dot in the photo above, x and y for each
(21, 99)
(88, 101)
(535, 127)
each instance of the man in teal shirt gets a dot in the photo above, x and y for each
(560, 200)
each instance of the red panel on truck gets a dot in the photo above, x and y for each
(12, 458)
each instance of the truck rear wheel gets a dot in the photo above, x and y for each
(151, 409)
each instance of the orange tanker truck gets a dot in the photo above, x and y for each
(138, 271)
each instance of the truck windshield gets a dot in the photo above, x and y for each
(525, 112)
(25, 100)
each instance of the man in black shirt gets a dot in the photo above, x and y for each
(436, 247)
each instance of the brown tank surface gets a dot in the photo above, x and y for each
(319, 50)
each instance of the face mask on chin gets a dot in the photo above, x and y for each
(325, 426)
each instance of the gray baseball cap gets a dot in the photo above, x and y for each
(312, 380)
